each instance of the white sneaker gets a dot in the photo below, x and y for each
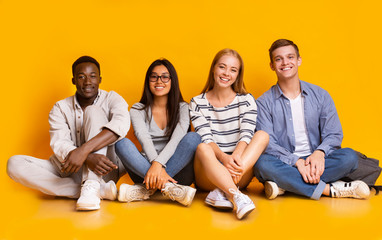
(180, 193)
(136, 192)
(244, 204)
(272, 190)
(354, 189)
(90, 196)
(217, 199)
(109, 190)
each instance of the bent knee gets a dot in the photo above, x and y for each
(14, 166)
(192, 138)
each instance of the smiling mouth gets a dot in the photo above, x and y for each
(224, 79)
(159, 87)
(88, 89)
(286, 69)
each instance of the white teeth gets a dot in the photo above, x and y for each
(224, 79)
(285, 69)
(159, 87)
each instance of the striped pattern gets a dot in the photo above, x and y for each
(225, 126)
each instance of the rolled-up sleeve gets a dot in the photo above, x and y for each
(330, 126)
(60, 135)
(118, 114)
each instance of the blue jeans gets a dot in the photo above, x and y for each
(179, 166)
(337, 165)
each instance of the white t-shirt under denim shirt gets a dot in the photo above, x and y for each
(302, 147)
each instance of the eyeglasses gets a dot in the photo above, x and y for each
(163, 78)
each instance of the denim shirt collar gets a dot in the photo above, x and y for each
(278, 92)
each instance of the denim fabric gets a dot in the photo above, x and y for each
(337, 165)
(179, 166)
(322, 123)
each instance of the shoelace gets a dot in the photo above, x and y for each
(239, 197)
(220, 195)
(344, 191)
(89, 189)
(173, 192)
(138, 194)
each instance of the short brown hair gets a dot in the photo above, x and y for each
(282, 43)
(238, 86)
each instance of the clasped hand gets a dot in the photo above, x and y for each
(156, 177)
(233, 165)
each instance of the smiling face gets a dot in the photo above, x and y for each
(226, 71)
(285, 62)
(158, 87)
(87, 79)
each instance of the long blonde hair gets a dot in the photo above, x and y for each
(238, 86)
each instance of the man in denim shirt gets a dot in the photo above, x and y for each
(304, 154)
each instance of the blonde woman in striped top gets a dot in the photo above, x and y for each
(224, 115)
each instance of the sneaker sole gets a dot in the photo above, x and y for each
(269, 193)
(245, 211)
(87, 207)
(223, 205)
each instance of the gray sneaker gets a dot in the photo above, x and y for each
(217, 199)
(354, 189)
(136, 192)
(244, 204)
(180, 193)
(272, 190)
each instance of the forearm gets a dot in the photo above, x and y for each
(102, 139)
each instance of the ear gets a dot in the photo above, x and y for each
(271, 65)
(299, 60)
(73, 81)
(100, 79)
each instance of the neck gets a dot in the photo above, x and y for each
(84, 102)
(291, 87)
(160, 102)
(222, 94)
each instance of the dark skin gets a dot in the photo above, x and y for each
(87, 79)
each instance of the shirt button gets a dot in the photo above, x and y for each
(290, 119)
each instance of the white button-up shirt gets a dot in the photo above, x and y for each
(66, 119)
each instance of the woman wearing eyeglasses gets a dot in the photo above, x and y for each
(160, 122)
(225, 117)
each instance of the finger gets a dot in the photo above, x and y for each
(111, 164)
(172, 180)
(146, 182)
(307, 162)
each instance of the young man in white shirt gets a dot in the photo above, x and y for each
(83, 130)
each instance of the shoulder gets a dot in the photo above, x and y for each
(314, 91)
(199, 99)
(183, 105)
(268, 95)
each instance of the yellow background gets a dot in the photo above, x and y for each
(339, 43)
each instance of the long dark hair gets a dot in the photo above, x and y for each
(174, 96)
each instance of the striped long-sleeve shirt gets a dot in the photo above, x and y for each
(225, 126)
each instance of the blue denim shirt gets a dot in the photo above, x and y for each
(321, 119)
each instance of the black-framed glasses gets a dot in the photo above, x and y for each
(164, 78)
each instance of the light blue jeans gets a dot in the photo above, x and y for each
(337, 165)
(179, 166)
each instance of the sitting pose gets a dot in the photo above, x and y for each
(83, 129)
(304, 155)
(224, 115)
(160, 122)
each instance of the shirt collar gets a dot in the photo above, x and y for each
(77, 104)
(279, 92)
